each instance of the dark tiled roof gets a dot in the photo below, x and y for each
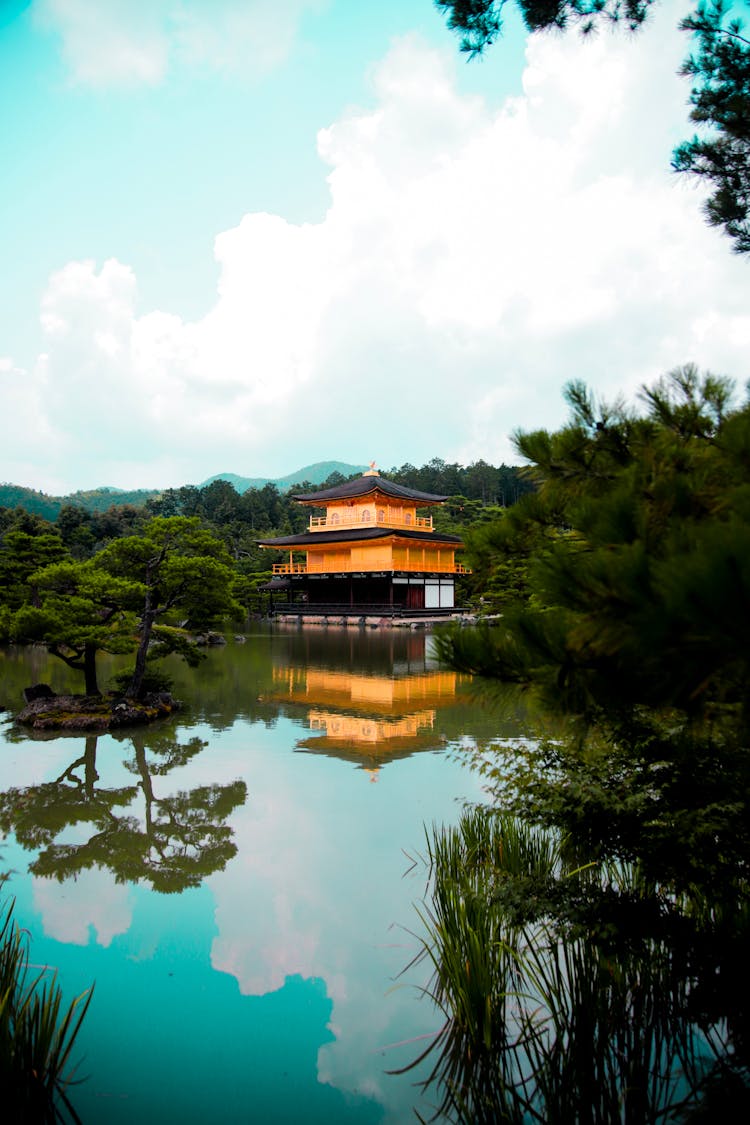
(365, 485)
(309, 538)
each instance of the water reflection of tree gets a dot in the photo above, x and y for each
(173, 842)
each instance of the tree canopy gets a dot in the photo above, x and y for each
(631, 619)
(720, 99)
(174, 565)
(587, 927)
(113, 601)
(80, 611)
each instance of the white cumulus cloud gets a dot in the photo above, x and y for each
(472, 260)
(111, 42)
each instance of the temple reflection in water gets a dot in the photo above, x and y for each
(368, 717)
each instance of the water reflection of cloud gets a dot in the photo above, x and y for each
(317, 889)
(275, 883)
(70, 910)
(290, 953)
(23, 763)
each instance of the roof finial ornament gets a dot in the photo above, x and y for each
(372, 471)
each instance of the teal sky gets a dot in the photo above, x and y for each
(239, 240)
(150, 173)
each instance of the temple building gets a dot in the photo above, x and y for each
(370, 551)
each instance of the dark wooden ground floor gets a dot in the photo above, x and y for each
(384, 594)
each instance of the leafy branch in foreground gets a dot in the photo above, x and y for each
(720, 99)
(611, 975)
(634, 629)
(480, 22)
(37, 1033)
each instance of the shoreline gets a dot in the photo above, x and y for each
(358, 619)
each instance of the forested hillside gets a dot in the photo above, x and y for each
(91, 500)
(480, 481)
(35, 535)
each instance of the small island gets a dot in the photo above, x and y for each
(45, 710)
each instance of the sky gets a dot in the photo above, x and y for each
(243, 236)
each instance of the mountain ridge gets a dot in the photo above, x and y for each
(316, 473)
(100, 499)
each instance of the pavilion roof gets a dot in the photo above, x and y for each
(364, 486)
(357, 534)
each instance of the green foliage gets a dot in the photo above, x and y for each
(49, 507)
(480, 22)
(720, 99)
(479, 481)
(574, 991)
(37, 1033)
(18, 519)
(111, 603)
(102, 500)
(22, 553)
(32, 501)
(637, 545)
(175, 565)
(620, 966)
(85, 532)
(654, 789)
(154, 680)
(500, 551)
(80, 611)
(247, 589)
(181, 564)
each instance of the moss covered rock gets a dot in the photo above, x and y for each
(95, 712)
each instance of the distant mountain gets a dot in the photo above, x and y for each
(93, 500)
(314, 474)
(99, 499)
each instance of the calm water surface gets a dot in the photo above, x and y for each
(236, 882)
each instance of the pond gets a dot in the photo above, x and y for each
(237, 883)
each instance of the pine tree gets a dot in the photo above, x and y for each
(634, 626)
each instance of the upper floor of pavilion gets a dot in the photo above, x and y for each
(369, 501)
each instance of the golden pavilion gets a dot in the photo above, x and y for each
(369, 551)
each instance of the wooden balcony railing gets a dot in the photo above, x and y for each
(331, 523)
(346, 567)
